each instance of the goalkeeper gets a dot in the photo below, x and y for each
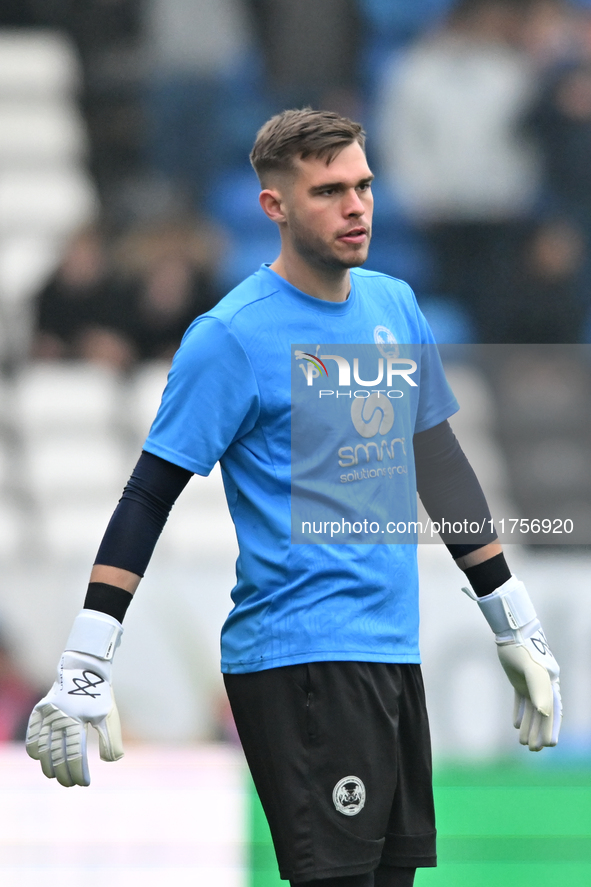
(320, 651)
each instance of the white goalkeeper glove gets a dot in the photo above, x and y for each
(527, 660)
(80, 696)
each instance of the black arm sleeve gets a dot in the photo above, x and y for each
(143, 509)
(450, 490)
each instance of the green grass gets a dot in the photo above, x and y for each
(498, 824)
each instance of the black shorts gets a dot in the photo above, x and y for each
(341, 758)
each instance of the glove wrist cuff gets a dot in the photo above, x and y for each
(97, 634)
(519, 635)
(508, 608)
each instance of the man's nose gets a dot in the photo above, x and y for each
(352, 204)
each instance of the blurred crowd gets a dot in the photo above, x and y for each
(478, 114)
(485, 132)
(129, 300)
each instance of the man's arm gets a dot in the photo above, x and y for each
(450, 492)
(82, 693)
(123, 579)
(479, 555)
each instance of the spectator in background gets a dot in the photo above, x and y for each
(79, 311)
(167, 272)
(453, 151)
(191, 48)
(133, 307)
(543, 304)
(552, 32)
(561, 120)
(16, 695)
(311, 51)
(16, 14)
(106, 34)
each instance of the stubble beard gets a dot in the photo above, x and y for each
(318, 253)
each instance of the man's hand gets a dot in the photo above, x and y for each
(81, 695)
(528, 662)
(533, 671)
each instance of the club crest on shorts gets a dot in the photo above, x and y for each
(348, 795)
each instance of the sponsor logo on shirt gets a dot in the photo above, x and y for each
(372, 415)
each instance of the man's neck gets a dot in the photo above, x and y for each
(331, 286)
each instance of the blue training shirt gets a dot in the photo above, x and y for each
(228, 398)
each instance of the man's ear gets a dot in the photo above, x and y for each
(271, 202)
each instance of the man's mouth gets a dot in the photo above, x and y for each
(353, 235)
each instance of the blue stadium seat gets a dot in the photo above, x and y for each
(245, 254)
(397, 19)
(387, 211)
(449, 322)
(401, 254)
(391, 25)
(233, 201)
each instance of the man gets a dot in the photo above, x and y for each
(320, 653)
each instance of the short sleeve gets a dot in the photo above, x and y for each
(211, 399)
(436, 399)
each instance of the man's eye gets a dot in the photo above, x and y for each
(364, 187)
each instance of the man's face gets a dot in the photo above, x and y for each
(328, 210)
